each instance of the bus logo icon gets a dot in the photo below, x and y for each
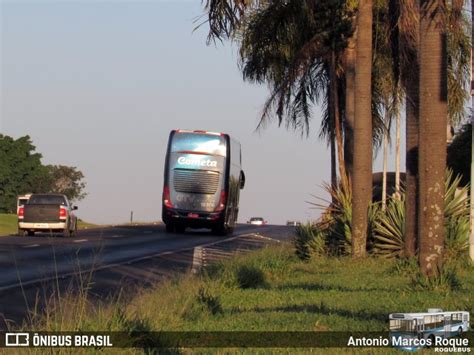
(17, 339)
(414, 330)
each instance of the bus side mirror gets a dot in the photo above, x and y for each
(242, 179)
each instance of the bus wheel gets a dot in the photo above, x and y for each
(220, 230)
(432, 341)
(460, 331)
(169, 228)
(180, 228)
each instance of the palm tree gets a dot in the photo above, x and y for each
(405, 41)
(432, 135)
(349, 73)
(362, 176)
(386, 88)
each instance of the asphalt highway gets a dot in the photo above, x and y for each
(118, 257)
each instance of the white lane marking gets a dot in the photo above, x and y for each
(31, 246)
(80, 240)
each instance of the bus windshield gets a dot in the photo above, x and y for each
(198, 143)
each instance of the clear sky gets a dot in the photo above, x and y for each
(100, 84)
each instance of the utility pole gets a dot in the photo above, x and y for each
(471, 236)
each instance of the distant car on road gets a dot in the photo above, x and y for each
(47, 213)
(293, 223)
(258, 221)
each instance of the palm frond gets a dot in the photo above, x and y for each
(287, 44)
(457, 27)
(226, 16)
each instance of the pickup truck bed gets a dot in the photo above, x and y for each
(41, 214)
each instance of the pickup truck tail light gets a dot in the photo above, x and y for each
(62, 213)
(21, 212)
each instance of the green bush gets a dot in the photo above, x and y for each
(335, 225)
(446, 279)
(211, 302)
(405, 266)
(249, 276)
(389, 231)
(120, 321)
(309, 240)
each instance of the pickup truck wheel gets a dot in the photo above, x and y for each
(31, 233)
(180, 228)
(169, 228)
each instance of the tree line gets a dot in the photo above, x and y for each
(363, 61)
(22, 172)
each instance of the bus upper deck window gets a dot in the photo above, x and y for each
(199, 143)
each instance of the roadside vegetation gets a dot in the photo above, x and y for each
(307, 53)
(8, 224)
(85, 225)
(267, 290)
(332, 233)
(24, 173)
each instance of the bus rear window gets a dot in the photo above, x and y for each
(198, 143)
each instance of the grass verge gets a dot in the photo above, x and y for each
(85, 225)
(8, 224)
(272, 290)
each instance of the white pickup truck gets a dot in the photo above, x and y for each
(47, 213)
